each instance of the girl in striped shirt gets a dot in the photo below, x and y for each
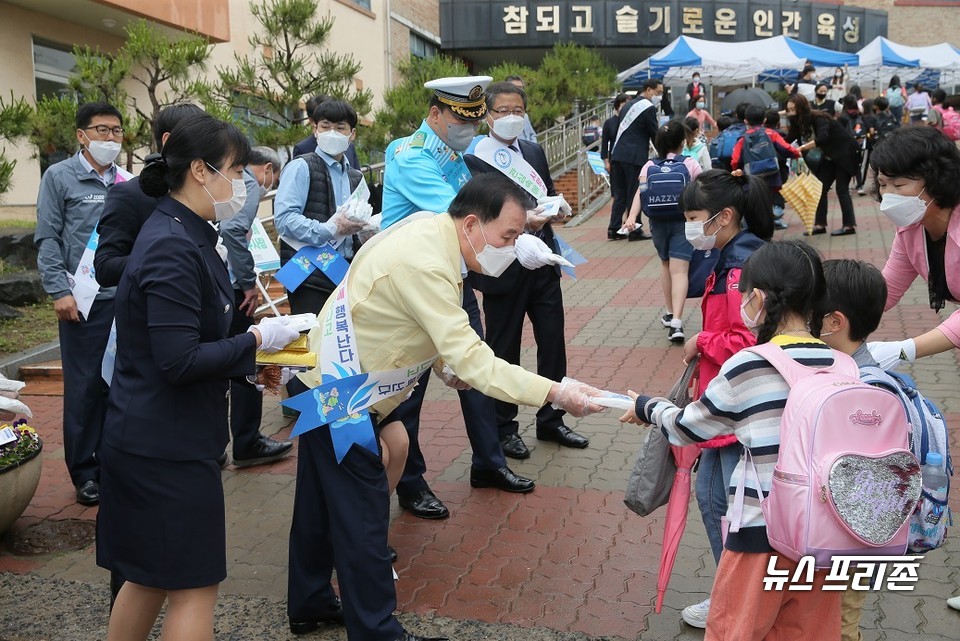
(780, 286)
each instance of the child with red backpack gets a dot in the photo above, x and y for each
(789, 401)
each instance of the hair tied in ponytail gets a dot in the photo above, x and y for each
(154, 159)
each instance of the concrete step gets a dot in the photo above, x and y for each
(42, 379)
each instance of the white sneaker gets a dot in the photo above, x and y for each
(675, 334)
(954, 602)
(696, 615)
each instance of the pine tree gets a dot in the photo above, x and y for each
(265, 90)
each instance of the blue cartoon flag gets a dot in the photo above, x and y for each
(296, 270)
(570, 254)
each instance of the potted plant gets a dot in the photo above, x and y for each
(20, 467)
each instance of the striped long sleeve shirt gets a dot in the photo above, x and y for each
(746, 399)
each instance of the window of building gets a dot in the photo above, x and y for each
(421, 47)
(52, 66)
(363, 3)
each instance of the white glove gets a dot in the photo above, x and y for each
(890, 354)
(533, 253)
(450, 379)
(286, 374)
(549, 202)
(274, 334)
(576, 398)
(344, 225)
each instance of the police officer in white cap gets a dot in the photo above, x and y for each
(424, 172)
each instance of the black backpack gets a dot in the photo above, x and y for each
(886, 123)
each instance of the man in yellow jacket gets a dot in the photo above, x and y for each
(404, 292)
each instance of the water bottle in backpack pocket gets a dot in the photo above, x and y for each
(845, 481)
(666, 180)
(928, 442)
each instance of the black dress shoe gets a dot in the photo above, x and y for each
(564, 436)
(393, 553)
(424, 504)
(612, 235)
(88, 493)
(638, 235)
(407, 636)
(333, 617)
(265, 450)
(817, 230)
(844, 231)
(502, 479)
(222, 460)
(514, 447)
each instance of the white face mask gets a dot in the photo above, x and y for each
(693, 230)
(656, 100)
(103, 151)
(229, 208)
(332, 143)
(750, 323)
(701, 105)
(493, 260)
(903, 210)
(508, 127)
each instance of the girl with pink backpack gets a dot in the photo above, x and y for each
(780, 285)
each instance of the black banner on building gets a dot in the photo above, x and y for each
(501, 24)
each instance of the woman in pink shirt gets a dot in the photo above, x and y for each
(917, 174)
(703, 116)
(662, 181)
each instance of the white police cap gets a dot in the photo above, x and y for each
(463, 95)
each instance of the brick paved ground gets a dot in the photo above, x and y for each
(565, 562)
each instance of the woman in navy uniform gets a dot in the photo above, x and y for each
(161, 522)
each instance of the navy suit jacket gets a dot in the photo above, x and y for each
(535, 156)
(125, 211)
(633, 148)
(174, 305)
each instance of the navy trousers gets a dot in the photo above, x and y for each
(246, 402)
(536, 294)
(84, 391)
(341, 513)
(624, 181)
(479, 414)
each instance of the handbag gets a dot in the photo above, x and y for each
(651, 480)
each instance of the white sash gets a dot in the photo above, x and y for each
(638, 108)
(512, 165)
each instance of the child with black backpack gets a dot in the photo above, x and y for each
(662, 182)
(781, 284)
(849, 313)
(761, 150)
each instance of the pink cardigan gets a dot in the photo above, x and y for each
(908, 259)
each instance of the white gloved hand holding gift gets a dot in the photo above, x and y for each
(554, 206)
(275, 334)
(533, 253)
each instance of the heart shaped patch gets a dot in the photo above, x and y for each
(874, 496)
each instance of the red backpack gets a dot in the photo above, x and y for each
(951, 122)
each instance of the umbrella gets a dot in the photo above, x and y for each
(751, 96)
(802, 192)
(679, 502)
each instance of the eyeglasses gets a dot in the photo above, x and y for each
(340, 127)
(104, 130)
(519, 111)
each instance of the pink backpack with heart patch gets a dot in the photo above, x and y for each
(845, 481)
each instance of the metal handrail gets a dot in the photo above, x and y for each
(593, 191)
(563, 142)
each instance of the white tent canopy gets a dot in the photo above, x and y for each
(882, 58)
(729, 61)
